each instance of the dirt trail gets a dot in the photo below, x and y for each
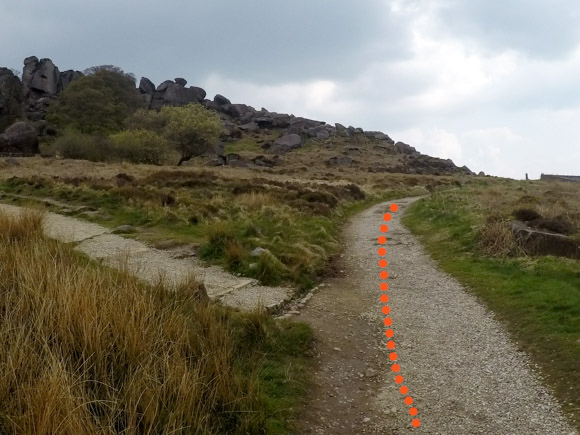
(462, 370)
(150, 264)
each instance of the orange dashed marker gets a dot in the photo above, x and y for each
(388, 321)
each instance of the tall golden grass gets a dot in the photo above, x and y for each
(88, 350)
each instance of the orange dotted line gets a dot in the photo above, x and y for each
(388, 321)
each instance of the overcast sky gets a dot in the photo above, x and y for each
(492, 85)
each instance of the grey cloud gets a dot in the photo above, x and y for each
(538, 28)
(257, 40)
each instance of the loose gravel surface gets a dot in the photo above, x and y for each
(152, 264)
(463, 372)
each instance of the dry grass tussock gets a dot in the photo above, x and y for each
(88, 350)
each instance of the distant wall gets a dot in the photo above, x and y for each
(572, 178)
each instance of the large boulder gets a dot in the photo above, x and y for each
(540, 242)
(10, 98)
(220, 100)
(21, 137)
(199, 93)
(146, 86)
(403, 148)
(45, 78)
(163, 86)
(379, 135)
(177, 95)
(286, 143)
(180, 81)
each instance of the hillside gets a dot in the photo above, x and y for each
(250, 137)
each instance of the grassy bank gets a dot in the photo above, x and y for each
(536, 298)
(223, 219)
(87, 349)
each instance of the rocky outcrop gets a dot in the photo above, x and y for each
(10, 98)
(403, 148)
(169, 93)
(41, 83)
(220, 100)
(540, 242)
(286, 143)
(19, 138)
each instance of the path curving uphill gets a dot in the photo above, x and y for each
(150, 264)
(463, 372)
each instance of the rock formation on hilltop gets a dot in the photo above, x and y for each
(27, 100)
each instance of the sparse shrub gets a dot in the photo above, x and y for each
(234, 254)
(269, 269)
(496, 238)
(79, 146)
(219, 235)
(140, 146)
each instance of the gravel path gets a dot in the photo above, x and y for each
(150, 264)
(462, 370)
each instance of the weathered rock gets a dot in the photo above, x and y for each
(177, 95)
(266, 162)
(236, 110)
(250, 127)
(286, 143)
(540, 242)
(45, 78)
(67, 77)
(230, 131)
(199, 93)
(163, 86)
(379, 135)
(19, 138)
(280, 120)
(340, 127)
(180, 81)
(339, 161)
(403, 148)
(10, 98)
(353, 152)
(264, 121)
(220, 100)
(146, 86)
